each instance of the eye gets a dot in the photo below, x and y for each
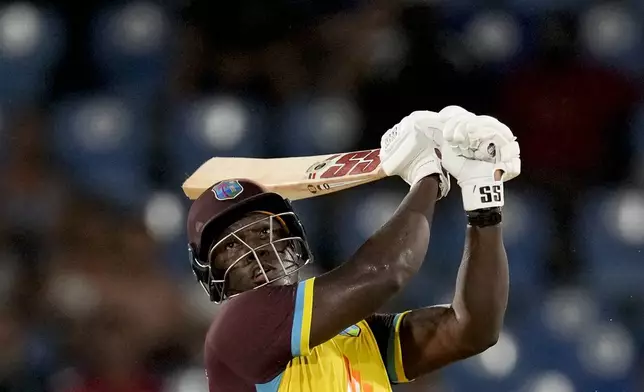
(231, 245)
(266, 231)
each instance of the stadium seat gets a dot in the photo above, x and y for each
(102, 141)
(317, 126)
(360, 211)
(609, 237)
(213, 126)
(637, 142)
(527, 229)
(494, 38)
(548, 381)
(312, 213)
(545, 349)
(568, 333)
(164, 214)
(175, 257)
(4, 119)
(612, 34)
(535, 7)
(608, 355)
(500, 368)
(637, 130)
(132, 47)
(30, 46)
(541, 350)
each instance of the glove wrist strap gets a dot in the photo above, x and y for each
(482, 193)
(484, 217)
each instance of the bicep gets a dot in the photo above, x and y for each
(378, 270)
(431, 338)
(345, 296)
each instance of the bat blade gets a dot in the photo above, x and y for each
(293, 178)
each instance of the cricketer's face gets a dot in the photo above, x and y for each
(254, 252)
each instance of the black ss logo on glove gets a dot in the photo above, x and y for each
(490, 193)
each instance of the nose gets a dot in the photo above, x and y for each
(263, 254)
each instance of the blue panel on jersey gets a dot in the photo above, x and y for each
(296, 333)
(271, 386)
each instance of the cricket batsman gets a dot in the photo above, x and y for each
(275, 332)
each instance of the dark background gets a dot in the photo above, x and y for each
(106, 107)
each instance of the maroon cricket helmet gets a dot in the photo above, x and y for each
(222, 205)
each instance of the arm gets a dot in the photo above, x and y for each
(436, 336)
(378, 270)
(387, 260)
(433, 337)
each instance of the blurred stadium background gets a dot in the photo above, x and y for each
(105, 107)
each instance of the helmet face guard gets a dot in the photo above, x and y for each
(294, 245)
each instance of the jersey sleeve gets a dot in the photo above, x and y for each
(259, 332)
(386, 330)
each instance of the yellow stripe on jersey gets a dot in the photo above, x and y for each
(346, 363)
(395, 368)
(301, 330)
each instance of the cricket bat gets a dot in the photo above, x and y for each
(293, 178)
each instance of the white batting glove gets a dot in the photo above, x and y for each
(474, 148)
(409, 149)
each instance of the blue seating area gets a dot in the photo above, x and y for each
(610, 238)
(542, 347)
(32, 44)
(212, 126)
(315, 125)
(102, 141)
(132, 45)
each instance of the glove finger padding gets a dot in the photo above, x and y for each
(486, 139)
(492, 122)
(455, 130)
(511, 168)
(494, 140)
(451, 111)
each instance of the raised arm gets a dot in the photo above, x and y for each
(387, 260)
(436, 336)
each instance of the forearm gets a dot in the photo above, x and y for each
(399, 247)
(387, 260)
(379, 269)
(482, 285)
